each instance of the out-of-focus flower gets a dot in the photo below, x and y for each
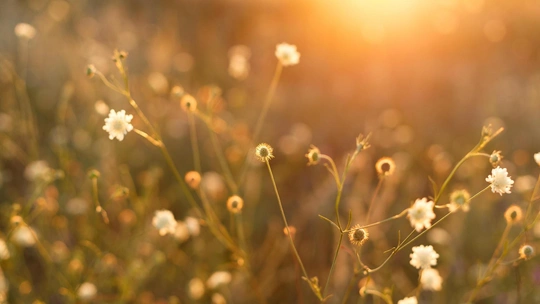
(193, 226)
(358, 236)
(459, 199)
(218, 298)
(118, 124)
(239, 62)
(23, 236)
(25, 31)
(181, 233)
(196, 288)
(526, 252)
(537, 158)
(385, 166)
(500, 181)
(423, 257)
(264, 152)
(164, 221)
(218, 278)
(431, 279)
(77, 206)
(4, 252)
(37, 170)
(421, 213)
(513, 214)
(235, 204)
(287, 54)
(193, 179)
(188, 103)
(87, 291)
(409, 300)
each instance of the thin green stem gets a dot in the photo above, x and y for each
(333, 263)
(194, 143)
(260, 120)
(223, 162)
(375, 193)
(299, 260)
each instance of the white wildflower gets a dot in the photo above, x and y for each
(87, 291)
(423, 257)
(218, 278)
(408, 300)
(421, 213)
(164, 221)
(118, 124)
(287, 54)
(500, 181)
(25, 31)
(431, 279)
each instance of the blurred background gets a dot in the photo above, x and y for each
(422, 77)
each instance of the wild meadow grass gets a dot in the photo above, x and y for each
(178, 199)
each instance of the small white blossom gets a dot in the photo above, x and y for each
(424, 257)
(25, 31)
(164, 221)
(431, 279)
(218, 278)
(500, 181)
(421, 213)
(87, 291)
(409, 300)
(537, 158)
(287, 54)
(4, 252)
(118, 124)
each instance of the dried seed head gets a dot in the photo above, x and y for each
(513, 214)
(292, 229)
(526, 252)
(495, 158)
(459, 199)
(385, 166)
(90, 70)
(358, 236)
(235, 204)
(264, 152)
(193, 179)
(313, 155)
(177, 92)
(188, 103)
(362, 143)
